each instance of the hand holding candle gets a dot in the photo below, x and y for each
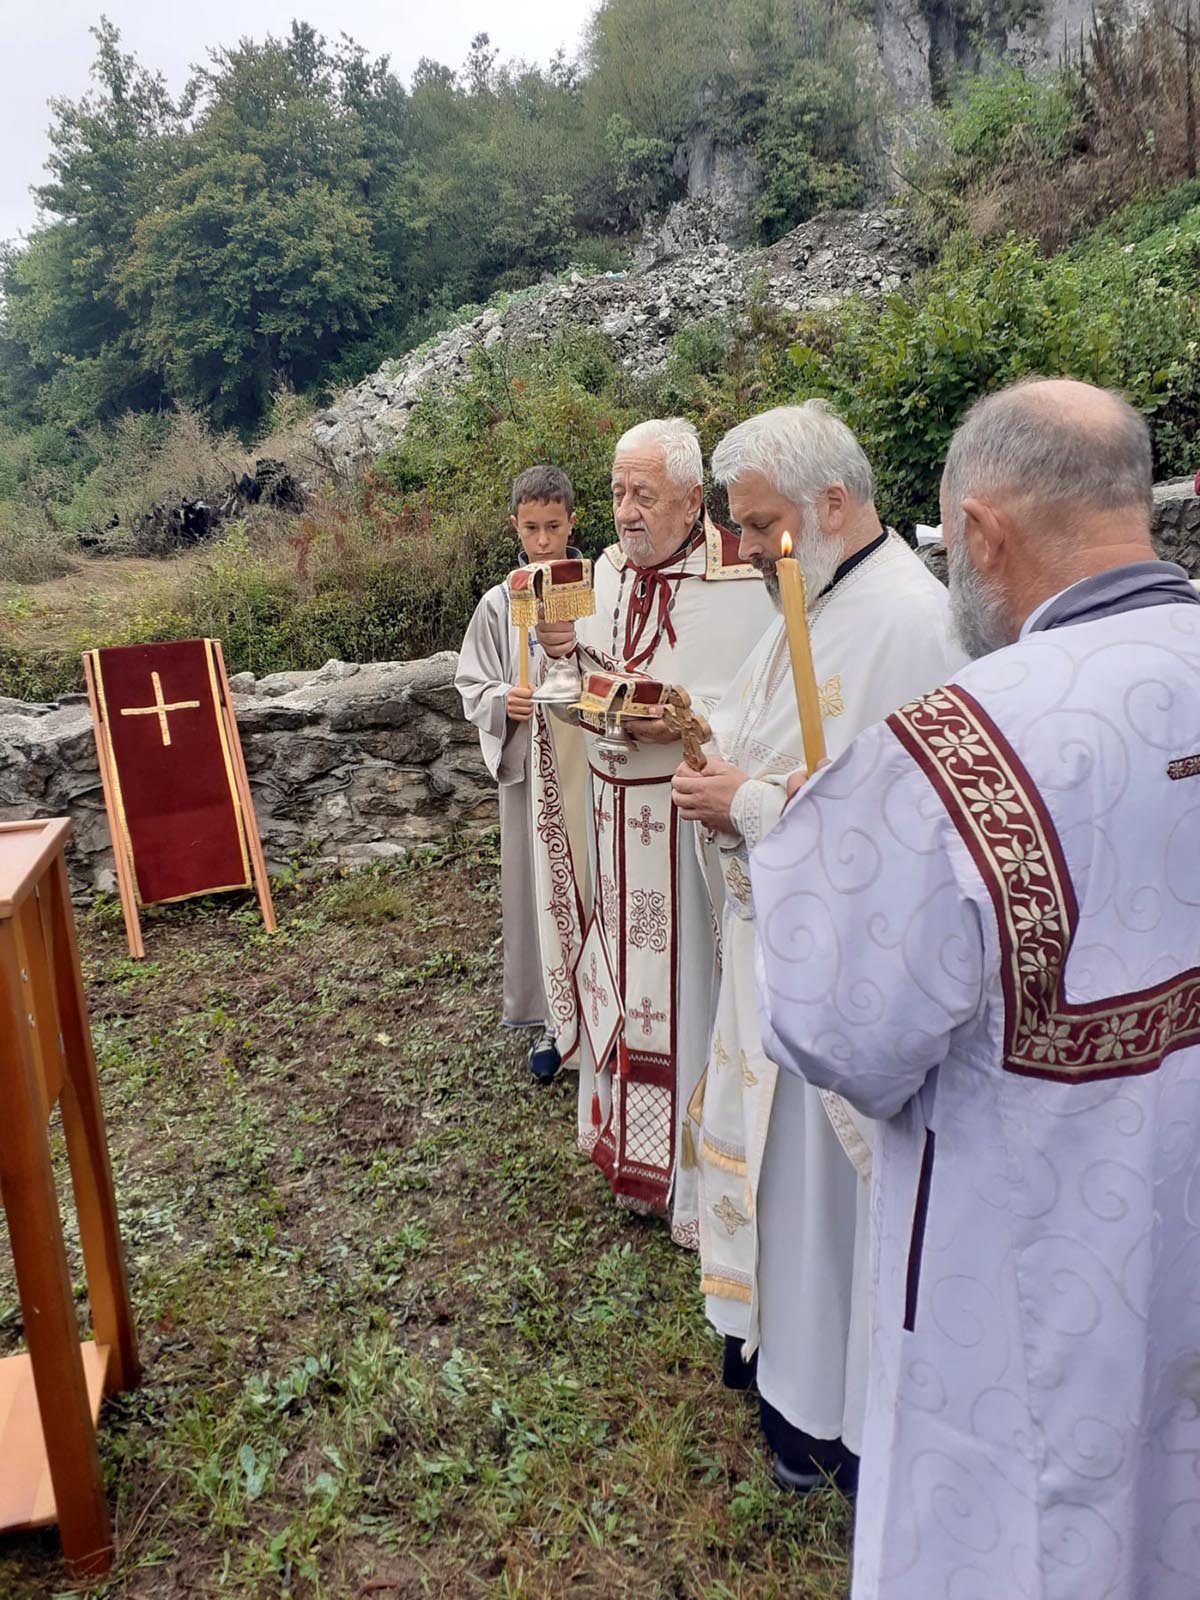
(804, 679)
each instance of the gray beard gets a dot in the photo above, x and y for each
(976, 606)
(638, 548)
(818, 559)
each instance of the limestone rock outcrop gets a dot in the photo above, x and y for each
(920, 44)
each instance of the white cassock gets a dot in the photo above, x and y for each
(784, 1169)
(623, 901)
(983, 925)
(487, 670)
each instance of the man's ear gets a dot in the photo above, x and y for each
(837, 503)
(512, 522)
(985, 530)
(571, 520)
(696, 500)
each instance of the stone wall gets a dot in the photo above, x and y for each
(346, 765)
(1175, 526)
(1177, 523)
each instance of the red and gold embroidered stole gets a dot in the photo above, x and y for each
(1005, 825)
(627, 983)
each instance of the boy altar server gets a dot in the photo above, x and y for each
(542, 516)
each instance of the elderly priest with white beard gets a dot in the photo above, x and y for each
(674, 603)
(784, 1167)
(982, 925)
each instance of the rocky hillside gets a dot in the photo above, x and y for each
(688, 281)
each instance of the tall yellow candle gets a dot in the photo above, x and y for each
(804, 678)
(522, 656)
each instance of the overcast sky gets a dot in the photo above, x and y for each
(47, 51)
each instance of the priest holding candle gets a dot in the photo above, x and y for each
(863, 627)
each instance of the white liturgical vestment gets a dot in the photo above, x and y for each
(644, 956)
(487, 669)
(784, 1240)
(983, 924)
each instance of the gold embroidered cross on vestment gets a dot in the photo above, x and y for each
(728, 1215)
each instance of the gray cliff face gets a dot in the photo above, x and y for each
(918, 44)
(723, 184)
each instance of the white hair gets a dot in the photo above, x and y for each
(799, 450)
(679, 443)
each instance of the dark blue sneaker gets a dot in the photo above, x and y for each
(544, 1059)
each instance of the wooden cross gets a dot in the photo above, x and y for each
(160, 708)
(692, 729)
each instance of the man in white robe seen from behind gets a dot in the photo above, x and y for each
(783, 1169)
(673, 602)
(982, 924)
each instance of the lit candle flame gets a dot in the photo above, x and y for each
(786, 544)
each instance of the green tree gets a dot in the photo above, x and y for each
(67, 345)
(301, 214)
(259, 263)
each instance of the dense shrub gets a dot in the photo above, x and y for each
(995, 124)
(1052, 156)
(1124, 316)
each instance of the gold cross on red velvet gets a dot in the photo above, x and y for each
(160, 708)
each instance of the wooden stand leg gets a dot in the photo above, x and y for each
(87, 1147)
(258, 863)
(121, 863)
(47, 1308)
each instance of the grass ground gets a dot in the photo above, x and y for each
(398, 1342)
(57, 613)
(46, 625)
